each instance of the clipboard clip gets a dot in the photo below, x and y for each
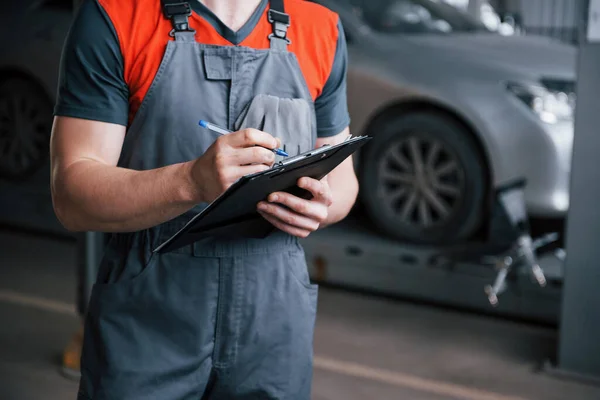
(310, 153)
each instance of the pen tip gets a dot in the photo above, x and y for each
(202, 123)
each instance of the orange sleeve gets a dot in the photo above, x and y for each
(314, 33)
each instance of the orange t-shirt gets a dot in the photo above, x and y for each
(115, 73)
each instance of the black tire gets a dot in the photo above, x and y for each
(25, 125)
(390, 186)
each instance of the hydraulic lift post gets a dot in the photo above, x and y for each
(579, 343)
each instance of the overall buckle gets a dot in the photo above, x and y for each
(178, 13)
(281, 23)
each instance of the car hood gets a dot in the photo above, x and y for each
(507, 56)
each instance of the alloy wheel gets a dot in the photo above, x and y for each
(421, 181)
(25, 121)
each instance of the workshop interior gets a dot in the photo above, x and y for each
(467, 268)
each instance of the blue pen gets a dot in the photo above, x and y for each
(222, 131)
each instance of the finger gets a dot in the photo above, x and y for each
(309, 208)
(319, 189)
(251, 137)
(292, 230)
(253, 155)
(244, 170)
(288, 217)
(232, 174)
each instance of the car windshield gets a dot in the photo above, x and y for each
(414, 16)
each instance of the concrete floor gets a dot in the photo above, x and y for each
(365, 347)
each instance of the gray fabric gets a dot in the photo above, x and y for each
(185, 37)
(151, 323)
(287, 119)
(279, 44)
(189, 78)
(219, 319)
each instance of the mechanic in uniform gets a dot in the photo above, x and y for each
(218, 319)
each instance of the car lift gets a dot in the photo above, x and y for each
(463, 275)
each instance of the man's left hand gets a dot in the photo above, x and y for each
(299, 217)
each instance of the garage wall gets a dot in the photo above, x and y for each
(553, 18)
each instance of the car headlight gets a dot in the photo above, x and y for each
(552, 101)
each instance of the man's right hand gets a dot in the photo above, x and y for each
(90, 192)
(229, 158)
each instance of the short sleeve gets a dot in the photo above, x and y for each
(331, 106)
(91, 79)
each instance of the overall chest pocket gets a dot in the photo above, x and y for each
(289, 119)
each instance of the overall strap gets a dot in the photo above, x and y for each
(280, 22)
(178, 12)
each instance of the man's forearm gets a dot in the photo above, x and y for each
(92, 196)
(344, 196)
(343, 183)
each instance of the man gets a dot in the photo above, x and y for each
(219, 319)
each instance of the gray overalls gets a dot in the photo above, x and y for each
(219, 319)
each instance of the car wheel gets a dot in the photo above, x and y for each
(25, 124)
(423, 179)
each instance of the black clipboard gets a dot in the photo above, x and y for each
(233, 214)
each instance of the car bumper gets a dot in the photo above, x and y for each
(547, 170)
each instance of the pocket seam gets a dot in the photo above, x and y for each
(308, 286)
(125, 283)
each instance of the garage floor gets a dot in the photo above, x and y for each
(365, 347)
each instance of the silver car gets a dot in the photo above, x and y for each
(455, 111)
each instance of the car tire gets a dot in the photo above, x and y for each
(423, 180)
(25, 125)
